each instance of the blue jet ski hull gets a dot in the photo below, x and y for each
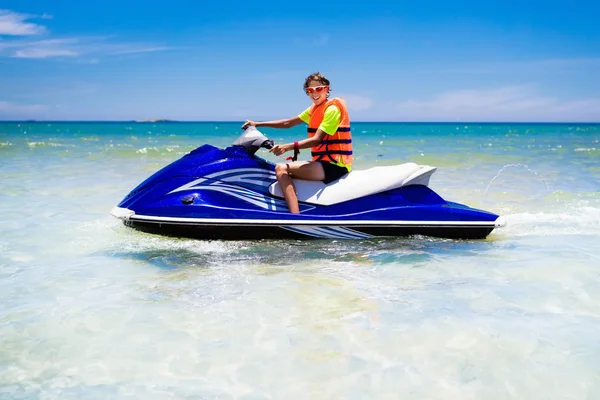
(214, 193)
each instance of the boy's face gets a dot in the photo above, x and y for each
(317, 92)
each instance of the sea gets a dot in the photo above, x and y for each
(91, 309)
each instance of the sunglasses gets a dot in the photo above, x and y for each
(317, 89)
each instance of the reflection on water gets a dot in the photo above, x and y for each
(169, 253)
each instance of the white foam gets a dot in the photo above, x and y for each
(109, 232)
(48, 144)
(579, 220)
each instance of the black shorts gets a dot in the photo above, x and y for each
(332, 171)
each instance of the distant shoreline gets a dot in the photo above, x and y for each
(240, 121)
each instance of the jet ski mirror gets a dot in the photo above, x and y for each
(252, 140)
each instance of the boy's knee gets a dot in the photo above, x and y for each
(282, 169)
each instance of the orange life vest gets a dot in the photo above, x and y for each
(336, 148)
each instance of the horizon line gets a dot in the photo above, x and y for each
(167, 121)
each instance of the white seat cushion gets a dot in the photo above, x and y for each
(359, 183)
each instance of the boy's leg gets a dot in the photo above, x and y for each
(307, 170)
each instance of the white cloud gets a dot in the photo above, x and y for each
(136, 49)
(34, 52)
(5, 106)
(39, 48)
(553, 65)
(566, 62)
(93, 47)
(13, 24)
(503, 104)
(357, 102)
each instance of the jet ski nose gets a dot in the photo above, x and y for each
(122, 213)
(500, 222)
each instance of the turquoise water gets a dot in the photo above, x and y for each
(91, 309)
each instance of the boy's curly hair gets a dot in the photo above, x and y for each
(317, 76)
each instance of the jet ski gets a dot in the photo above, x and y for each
(233, 194)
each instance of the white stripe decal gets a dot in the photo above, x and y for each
(248, 175)
(308, 231)
(328, 232)
(336, 232)
(256, 171)
(317, 232)
(288, 222)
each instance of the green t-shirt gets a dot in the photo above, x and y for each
(331, 122)
(331, 119)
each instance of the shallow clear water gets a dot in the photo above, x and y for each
(91, 309)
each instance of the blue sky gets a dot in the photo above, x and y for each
(223, 60)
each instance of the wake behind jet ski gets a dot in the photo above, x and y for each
(231, 193)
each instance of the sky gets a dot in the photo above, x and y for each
(231, 61)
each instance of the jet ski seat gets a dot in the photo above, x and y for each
(357, 184)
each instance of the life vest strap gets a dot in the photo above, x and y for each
(314, 130)
(336, 141)
(323, 153)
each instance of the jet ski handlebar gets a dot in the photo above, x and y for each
(268, 144)
(252, 140)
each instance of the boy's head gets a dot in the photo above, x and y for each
(317, 78)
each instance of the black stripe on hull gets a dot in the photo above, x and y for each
(245, 232)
